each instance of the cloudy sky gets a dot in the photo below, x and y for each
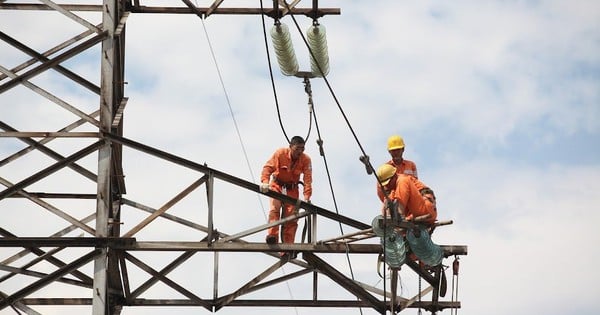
(498, 103)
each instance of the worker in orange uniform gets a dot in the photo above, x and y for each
(282, 174)
(395, 146)
(414, 198)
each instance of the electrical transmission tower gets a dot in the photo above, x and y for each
(96, 261)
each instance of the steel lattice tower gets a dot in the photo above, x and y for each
(99, 261)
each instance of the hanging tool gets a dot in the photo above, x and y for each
(455, 267)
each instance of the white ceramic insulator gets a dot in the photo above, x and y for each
(317, 42)
(284, 49)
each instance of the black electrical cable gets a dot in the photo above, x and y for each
(271, 72)
(273, 81)
(322, 152)
(367, 161)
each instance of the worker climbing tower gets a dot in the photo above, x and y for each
(75, 234)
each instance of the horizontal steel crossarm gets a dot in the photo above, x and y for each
(50, 278)
(174, 10)
(46, 134)
(233, 180)
(238, 303)
(38, 242)
(132, 245)
(261, 247)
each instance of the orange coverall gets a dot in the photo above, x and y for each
(406, 189)
(406, 167)
(281, 172)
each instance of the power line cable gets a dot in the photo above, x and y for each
(235, 121)
(366, 161)
(322, 153)
(278, 112)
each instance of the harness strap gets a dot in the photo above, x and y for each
(305, 229)
(288, 185)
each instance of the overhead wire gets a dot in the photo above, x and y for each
(278, 112)
(337, 102)
(322, 153)
(311, 111)
(280, 119)
(319, 141)
(237, 129)
(366, 161)
(235, 121)
(271, 72)
(277, 104)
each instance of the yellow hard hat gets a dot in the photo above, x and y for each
(395, 142)
(385, 172)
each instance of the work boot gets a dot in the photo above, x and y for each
(271, 239)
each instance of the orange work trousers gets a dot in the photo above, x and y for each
(288, 229)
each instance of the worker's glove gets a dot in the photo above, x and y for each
(264, 187)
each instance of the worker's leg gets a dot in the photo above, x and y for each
(274, 215)
(289, 228)
(414, 203)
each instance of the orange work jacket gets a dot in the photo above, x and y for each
(406, 167)
(407, 192)
(281, 167)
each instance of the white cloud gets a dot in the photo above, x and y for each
(460, 81)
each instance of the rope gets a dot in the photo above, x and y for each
(365, 160)
(237, 129)
(233, 116)
(262, 16)
(311, 109)
(322, 153)
(271, 72)
(454, 298)
(330, 88)
(311, 106)
(273, 83)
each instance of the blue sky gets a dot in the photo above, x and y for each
(498, 102)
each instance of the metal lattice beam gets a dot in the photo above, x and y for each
(114, 253)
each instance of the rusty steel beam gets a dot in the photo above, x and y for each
(178, 10)
(49, 279)
(49, 170)
(51, 63)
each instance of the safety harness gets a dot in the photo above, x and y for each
(288, 185)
